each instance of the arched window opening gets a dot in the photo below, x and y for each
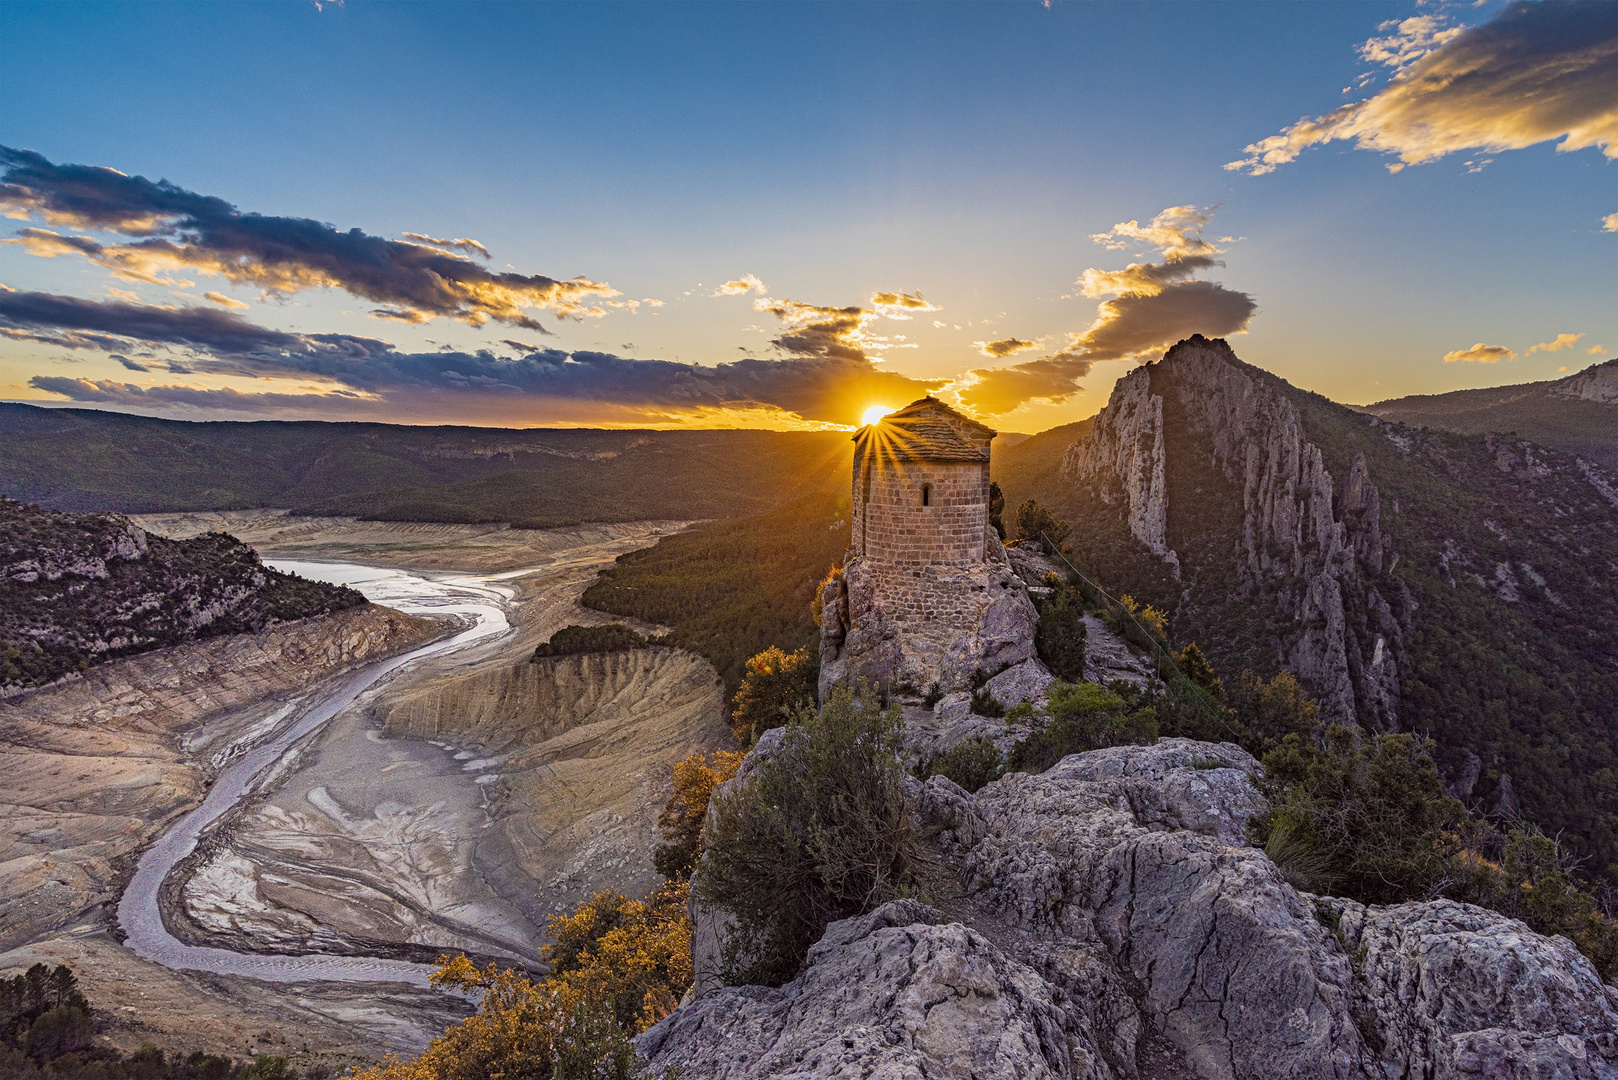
(926, 494)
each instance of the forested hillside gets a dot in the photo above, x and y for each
(82, 459)
(1578, 414)
(78, 589)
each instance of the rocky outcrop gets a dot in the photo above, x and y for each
(889, 994)
(1114, 923)
(1308, 545)
(96, 766)
(983, 625)
(78, 589)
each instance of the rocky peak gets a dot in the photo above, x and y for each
(1306, 541)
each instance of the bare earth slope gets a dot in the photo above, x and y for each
(96, 766)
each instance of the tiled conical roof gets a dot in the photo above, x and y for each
(927, 430)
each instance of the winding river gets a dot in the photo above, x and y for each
(479, 600)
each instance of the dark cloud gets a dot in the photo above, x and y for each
(178, 229)
(132, 365)
(93, 321)
(825, 388)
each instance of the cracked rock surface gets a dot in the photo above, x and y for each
(1112, 922)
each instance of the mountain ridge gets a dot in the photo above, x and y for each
(1458, 585)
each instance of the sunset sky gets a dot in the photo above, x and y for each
(780, 215)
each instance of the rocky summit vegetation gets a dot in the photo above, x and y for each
(79, 589)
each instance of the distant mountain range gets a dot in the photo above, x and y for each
(1578, 414)
(84, 459)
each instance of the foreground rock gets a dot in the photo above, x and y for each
(1115, 898)
(887, 994)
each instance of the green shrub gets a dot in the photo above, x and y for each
(1267, 712)
(819, 832)
(573, 640)
(1194, 666)
(984, 704)
(1373, 806)
(971, 763)
(777, 684)
(1035, 522)
(1083, 716)
(1060, 636)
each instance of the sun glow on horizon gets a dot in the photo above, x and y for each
(873, 414)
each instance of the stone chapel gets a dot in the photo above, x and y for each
(926, 597)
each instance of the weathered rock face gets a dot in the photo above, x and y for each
(983, 622)
(1305, 552)
(1446, 989)
(889, 994)
(1124, 929)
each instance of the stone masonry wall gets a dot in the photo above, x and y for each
(893, 527)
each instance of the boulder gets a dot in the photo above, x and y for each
(891, 994)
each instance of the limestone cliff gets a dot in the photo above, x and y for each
(1308, 547)
(1416, 579)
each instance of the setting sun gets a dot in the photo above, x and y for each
(873, 414)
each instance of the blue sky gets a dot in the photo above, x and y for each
(962, 154)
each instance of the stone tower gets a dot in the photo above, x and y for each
(926, 595)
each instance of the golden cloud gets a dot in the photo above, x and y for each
(1004, 347)
(1480, 354)
(1609, 223)
(1561, 341)
(1533, 73)
(223, 301)
(742, 285)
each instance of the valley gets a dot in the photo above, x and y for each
(428, 791)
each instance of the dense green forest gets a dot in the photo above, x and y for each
(84, 459)
(730, 589)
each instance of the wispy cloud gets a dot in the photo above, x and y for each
(745, 284)
(225, 301)
(1004, 347)
(471, 247)
(1556, 344)
(174, 229)
(1609, 223)
(1153, 305)
(1535, 72)
(1480, 354)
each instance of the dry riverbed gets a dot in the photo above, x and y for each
(451, 807)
